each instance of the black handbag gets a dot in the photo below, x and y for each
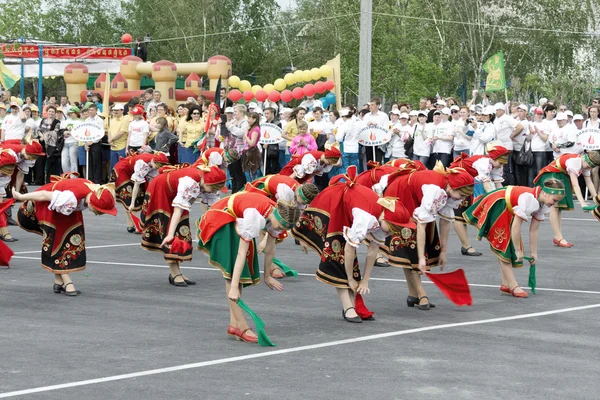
(524, 157)
(409, 145)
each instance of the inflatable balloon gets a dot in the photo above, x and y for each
(320, 87)
(309, 89)
(280, 83)
(256, 88)
(261, 95)
(287, 96)
(315, 74)
(330, 98)
(234, 81)
(126, 38)
(298, 93)
(306, 76)
(248, 95)
(235, 95)
(268, 88)
(329, 85)
(324, 102)
(325, 71)
(298, 76)
(274, 95)
(289, 79)
(245, 85)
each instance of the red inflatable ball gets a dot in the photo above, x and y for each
(319, 87)
(274, 95)
(126, 38)
(309, 89)
(287, 96)
(235, 95)
(261, 95)
(248, 95)
(329, 85)
(298, 93)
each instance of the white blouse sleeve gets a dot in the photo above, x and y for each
(187, 191)
(63, 202)
(209, 198)
(4, 181)
(362, 223)
(140, 170)
(434, 200)
(251, 224)
(497, 174)
(307, 166)
(526, 205)
(380, 187)
(574, 166)
(447, 212)
(542, 213)
(484, 169)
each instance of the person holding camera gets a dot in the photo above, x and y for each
(484, 131)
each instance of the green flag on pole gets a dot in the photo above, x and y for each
(494, 66)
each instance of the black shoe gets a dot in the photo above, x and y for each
(11, 221)
(425, 306)
(192, 283)
(174, 283)
(58, 288)
(131, 229)
(465, 252)
(381, 263)
(8, 240)
(356, 320)
(72, 293)
(411, 301)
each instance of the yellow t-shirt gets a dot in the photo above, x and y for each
(181, 127)
(118, 125)
(194, 131)
(291, 130)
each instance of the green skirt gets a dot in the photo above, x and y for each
(222, 250)
(498, 231)
(567, 202)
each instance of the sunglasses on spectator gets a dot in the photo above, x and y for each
(195, 113)
(454, 111)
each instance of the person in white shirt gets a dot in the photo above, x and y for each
(400, 132)
(95, 148)
(13, 126)
(347, 133)
(443, 137)
(375, 118)
(485, 132)
(412, 117)
(505, 130)
(422, 140)
(319, 127)
(138, 131)
(521, 172)
(563, 137)
(539, 143)
(460, 127)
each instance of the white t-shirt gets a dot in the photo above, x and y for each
(461, 143)
(422, 143)
(380, 119)
(519, 140)
(137, 129)
(348, 133)
(567, 133)
(537, 143)
(318, 127)
(505, 126)
(443, 146)
(13, 127)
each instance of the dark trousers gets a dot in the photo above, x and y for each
(540, 160)
(444, 158)
(379, 154)
(238, 178)
(521, 172)
(54, 167)
(508, 171)
(95, 168)
(321, 182)
(272, 166)
(39, 171)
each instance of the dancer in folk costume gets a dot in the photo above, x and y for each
(304, 168)
(426, 195)
(54, 211)
(217, 156)
(27, 154)
(487, 171)
(228, 233)
(8, 164)
(334, 225)
(567, 169)
(499, 215)
(165, 213)
(131, 175)
(269, 186)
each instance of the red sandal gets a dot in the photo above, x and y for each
(505, 289)
(241, 335)
(522, 295)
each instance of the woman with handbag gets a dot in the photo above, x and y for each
(522, 156)
(251, 156)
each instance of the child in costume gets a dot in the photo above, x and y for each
(8, 164)
(303, 168)
(228, 233)
(499, 216)
(165, 213)
(54, 211)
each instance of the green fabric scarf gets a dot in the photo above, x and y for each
(286, 270)
(263, 338)
(532, 279)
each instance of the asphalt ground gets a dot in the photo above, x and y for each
(131, 335)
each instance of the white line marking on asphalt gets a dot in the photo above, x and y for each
(580, 219)
(312, 275)
(287, 351)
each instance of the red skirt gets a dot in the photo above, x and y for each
(63, 236)
(156, 217)
(121, 176)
